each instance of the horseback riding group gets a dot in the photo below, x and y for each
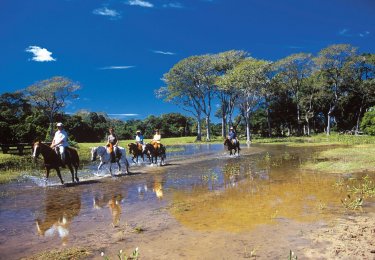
(152, 150)
(59, 154)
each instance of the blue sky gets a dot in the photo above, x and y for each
(118, 50)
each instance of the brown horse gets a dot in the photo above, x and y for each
(236, 147)
(153, 153)
(136, 151)
(52, 160)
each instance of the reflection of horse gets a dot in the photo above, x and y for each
(154, 153)
(231, 146)
(61, 208)
(105, 157)
(52, 159)
(136, 151)
(114, 204)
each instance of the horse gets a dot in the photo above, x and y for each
(153, 153)
(52, 159)
(105, 157)
(236, 147)
(135, 151)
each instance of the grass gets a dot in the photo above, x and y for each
(348, 159)
(64, 254)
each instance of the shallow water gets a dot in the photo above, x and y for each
(201, 189)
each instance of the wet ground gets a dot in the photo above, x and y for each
(203, 204)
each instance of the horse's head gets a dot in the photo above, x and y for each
(226, 141)
(36, 149)
(94, 153)
(131, 147)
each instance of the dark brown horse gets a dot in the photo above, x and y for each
(153, 153)
(136, 151)
(236, 146)
(52, 159)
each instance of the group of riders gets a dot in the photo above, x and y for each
(60, 142)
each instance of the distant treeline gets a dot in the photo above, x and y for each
(297, 95)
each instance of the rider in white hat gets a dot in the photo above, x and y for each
(60, 141)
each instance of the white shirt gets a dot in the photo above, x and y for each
(61, 136)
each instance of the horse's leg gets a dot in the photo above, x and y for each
(59, 174)
(47, 175)
(71, 170)
(119, 165)
(100, 165)
(127, 165)
(110, 168)
(76, 173)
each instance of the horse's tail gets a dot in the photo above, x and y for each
(74, 156)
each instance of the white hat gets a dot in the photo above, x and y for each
(59, 124)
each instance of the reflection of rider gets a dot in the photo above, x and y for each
(60, 141)
(139, 140)
(156, 140)
(232, 135)
(112, 143)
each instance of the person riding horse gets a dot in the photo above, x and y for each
(232, 135)
(60, 142)
(139, 140)
(112, 143)
(156, 140)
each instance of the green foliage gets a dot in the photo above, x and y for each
(368, 122)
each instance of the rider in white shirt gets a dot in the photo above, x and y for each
(60, 141)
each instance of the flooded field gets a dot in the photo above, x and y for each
(202, 204)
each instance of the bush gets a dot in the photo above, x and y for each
(368, 122)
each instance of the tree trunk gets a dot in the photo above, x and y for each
(269, 123)
(223, 126)
(358, 120)
(199, 129)
(208, 130)
(248, 132)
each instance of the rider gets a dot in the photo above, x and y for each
(60, 142)
(156, 140)
(232, 135)
(112, 143)
(139, 139)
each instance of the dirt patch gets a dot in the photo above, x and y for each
(349, 238)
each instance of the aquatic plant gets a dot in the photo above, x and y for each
(122, 256)
(292, 255)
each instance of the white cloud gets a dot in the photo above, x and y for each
(106, 12)
(123, 114)
(165, 52)
(116, 68)
(344, 32)
(364, 34)
(173, 5)
(140, 3)
(40, 54)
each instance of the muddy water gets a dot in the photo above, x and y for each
(202, 204)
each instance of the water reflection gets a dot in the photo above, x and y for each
(59, 211)
(113, 202)
(262, 189)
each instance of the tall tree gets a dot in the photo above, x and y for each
(248, 76)
(51, 95)
(190, 84)
(331, 62)
(292, 72)
(227, 93)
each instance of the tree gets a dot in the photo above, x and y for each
(189, 84)
(227, 93)
(248, 76)
(331, 62)
(293, 71)
(51, 95)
